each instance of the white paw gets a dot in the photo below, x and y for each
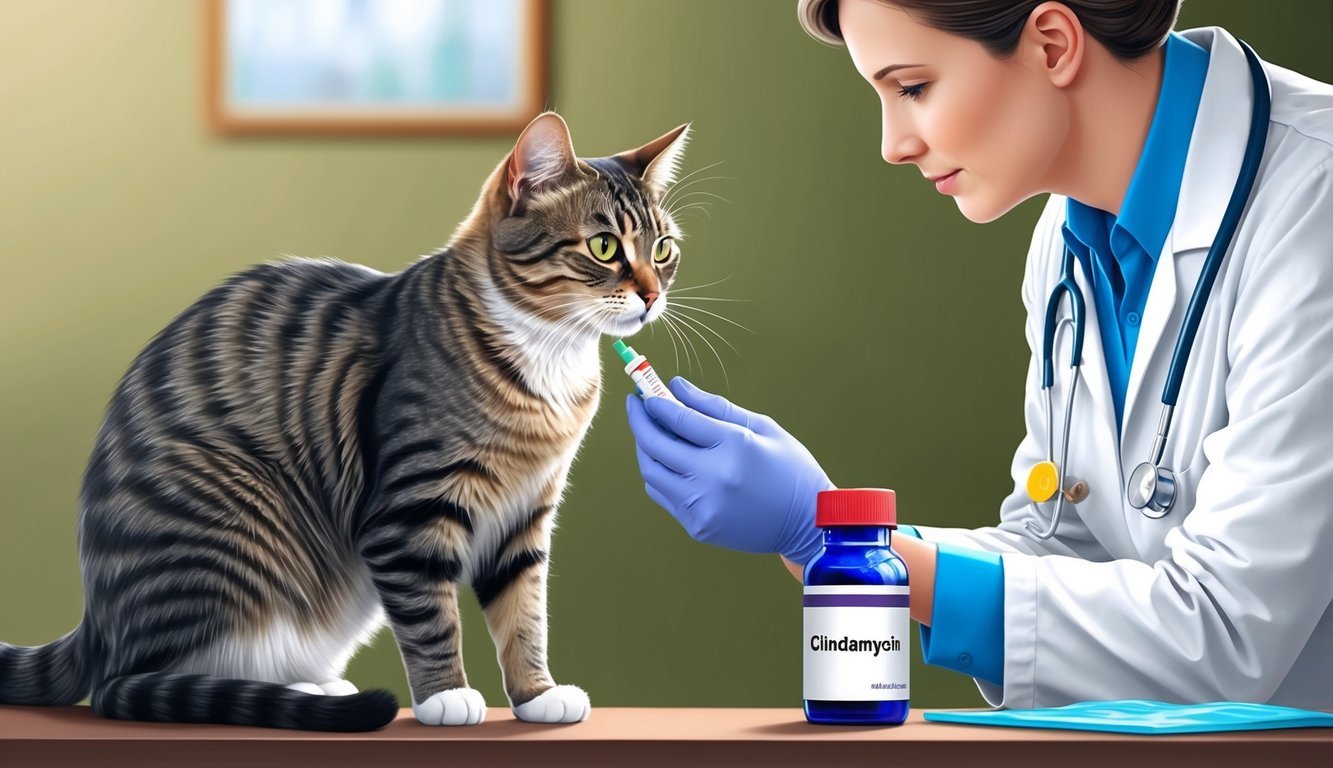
(339, 688)
(561, 704)
(458, 706)
(307, 688)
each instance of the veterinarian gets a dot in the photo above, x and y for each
(1170, 531)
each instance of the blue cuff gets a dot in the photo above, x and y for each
(968, 612)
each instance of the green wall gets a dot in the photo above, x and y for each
(117, 209)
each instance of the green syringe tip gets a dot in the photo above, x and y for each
(625, 351)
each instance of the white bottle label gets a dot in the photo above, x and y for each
(856, 643)
(647, 380)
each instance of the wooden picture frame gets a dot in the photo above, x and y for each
(308, 90)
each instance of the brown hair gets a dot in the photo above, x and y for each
(1128, 28)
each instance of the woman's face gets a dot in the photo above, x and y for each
(999, 122)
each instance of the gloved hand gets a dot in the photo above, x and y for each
(731, 477)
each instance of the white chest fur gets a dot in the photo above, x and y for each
(559, 361)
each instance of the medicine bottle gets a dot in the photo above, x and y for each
(857, 619)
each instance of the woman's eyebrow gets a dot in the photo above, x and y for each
(892, 67)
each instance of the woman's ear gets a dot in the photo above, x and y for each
(542, 158)
(1056, 39)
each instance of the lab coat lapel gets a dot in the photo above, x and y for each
(1100, 426)
(1217, 144)
(1157, 315)
(1217, 148)
(1094, 449)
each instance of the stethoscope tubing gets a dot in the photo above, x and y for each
(1064, 450)
(1240, 196)
(1156, 497)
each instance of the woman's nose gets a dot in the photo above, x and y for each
(899, 141)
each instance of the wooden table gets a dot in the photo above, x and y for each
(629, 736)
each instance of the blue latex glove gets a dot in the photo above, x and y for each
(729, 476)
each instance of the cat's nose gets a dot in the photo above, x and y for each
(648, 299)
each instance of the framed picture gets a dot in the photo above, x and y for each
(374, 67)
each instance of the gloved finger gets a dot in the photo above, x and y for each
(669, 485)
(710, 404)
(658, 443)
(698, 428)
(646, 431)
(678, 455)
(661, 500)
(676, 510)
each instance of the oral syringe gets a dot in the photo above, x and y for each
(647, 380)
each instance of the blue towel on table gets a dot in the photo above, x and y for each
(1145, 717)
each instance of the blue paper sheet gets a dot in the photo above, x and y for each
(1145, 717)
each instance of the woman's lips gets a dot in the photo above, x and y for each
(945, 183)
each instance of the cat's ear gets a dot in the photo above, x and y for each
(658, 161)
(542, 158)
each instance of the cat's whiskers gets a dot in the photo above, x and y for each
(697, 170)
(681, 182)
(580, 300)
(670, 335)
(559, 338)
(680, 301)
(678, 192)
(671, 332)
(688, 195)
(674, 202)
(701, 324)
(596, 310)
(675, 290)
(685, 206)
(684, 305)
(688, 324)
(701, 206)
(566, 329)
(682, 186)
(684, 340)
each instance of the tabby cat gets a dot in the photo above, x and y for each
(315, 446)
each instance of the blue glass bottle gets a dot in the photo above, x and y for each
(857, 588)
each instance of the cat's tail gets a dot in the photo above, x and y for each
(56, 674)
(166, 697)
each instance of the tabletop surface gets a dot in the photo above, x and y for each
(606, 724)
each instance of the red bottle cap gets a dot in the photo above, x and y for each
(856, 506)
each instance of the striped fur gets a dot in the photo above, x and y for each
(315, 447)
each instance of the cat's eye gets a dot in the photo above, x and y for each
(604, 246)
(664, 248)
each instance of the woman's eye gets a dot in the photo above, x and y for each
(604, 246)
(663, 249)
(912, 92)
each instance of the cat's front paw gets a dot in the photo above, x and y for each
(561, 704)
(457, 706)
(338, 688)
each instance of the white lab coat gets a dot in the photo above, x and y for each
(1228, 596)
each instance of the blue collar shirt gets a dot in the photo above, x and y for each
(1120, 252)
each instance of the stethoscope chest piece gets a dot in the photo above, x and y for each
(1043, 481)
(1152, 489)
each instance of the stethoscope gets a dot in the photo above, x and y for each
(1151, 487)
